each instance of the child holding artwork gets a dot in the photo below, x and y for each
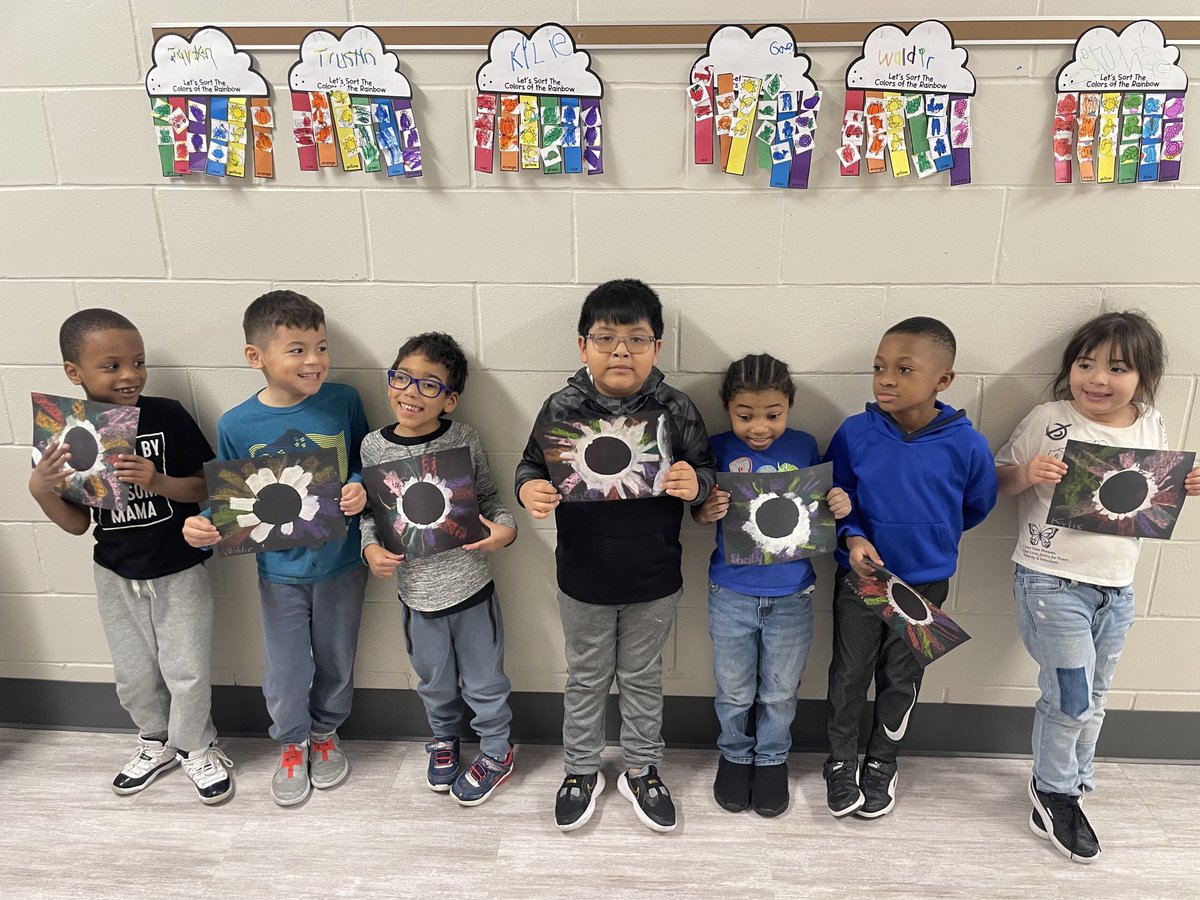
(1073, 589)
(760, 617)
(918, 475)
(152, 589)
(311, 597)
(452, 622)
(618, 562)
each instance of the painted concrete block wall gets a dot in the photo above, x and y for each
(1010, 262)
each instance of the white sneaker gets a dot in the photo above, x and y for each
(207, 769)
(150, 760)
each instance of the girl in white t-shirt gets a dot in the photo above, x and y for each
(1074, 589)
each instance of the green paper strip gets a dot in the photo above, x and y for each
(368, 147)
(160, 108)
(550, 119)
(1129, 155)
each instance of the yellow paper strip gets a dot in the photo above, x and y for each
(743, 125)
(528, 140)
(343, 121)
(236, 161)
(898, 154)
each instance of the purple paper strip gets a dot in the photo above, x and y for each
(197, 136)
(592, 155)
(960, 171)
(1168, 169)
(410, 137)
(801, 163)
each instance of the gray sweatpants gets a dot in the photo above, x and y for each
(467, 645)
(160, 636)
(603, 642)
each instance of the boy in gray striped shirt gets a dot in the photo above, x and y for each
(452, 623)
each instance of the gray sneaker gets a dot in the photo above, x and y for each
(327, 764)
(290, 784)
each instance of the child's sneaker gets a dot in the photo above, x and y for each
(327, 764)
(151, 759)
(878, 788)
(650, 798)
(731, 789)
(770, 790)
(290, 784)
(482, 777)
(576, 800)
(841, 787)
(443, 763)
(1038, 827)
(207, 769)
(1069, 830)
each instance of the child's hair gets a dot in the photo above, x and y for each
(280, 309)
(757, 372)
(622, 302)
(1131, 336)
(438, 347)
(78, 326)
(933, 329)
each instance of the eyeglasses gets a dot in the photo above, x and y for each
(637, 344)
(426, 387)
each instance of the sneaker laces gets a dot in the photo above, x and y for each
(207, 768)
(1065, 808)
(478, 770)
(443, 753)
(144, 758)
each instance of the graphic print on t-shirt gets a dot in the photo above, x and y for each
(295, 441)
(144, 508)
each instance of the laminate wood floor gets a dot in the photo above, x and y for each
(959, 830)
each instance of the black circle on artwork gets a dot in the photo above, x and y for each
(908, 601)
(278, 504)
(1121, 493)
(608, 455)
(423, 503)
(83, 448)
(776, 518)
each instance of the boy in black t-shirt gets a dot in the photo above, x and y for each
(151, 587)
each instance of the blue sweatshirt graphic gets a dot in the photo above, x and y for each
(913, 495)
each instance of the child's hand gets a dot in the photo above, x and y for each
(200, 532)
(714, 508)
(539, 497)
(501, 536)
(1191, 484)
(133, 469)
(354, 498)
(1043, 469)
(839, 502)
(381, 561)
(681, 482)
(862, 550)
(51, 469)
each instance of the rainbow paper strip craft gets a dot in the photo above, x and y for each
(196, 86)
(549, 103)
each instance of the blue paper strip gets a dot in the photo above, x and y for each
(572, 149)
(389, 136)
(218, 142)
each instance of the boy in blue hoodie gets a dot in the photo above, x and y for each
(918, 475)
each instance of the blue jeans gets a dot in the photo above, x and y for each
(1075, 632)
(760, 645)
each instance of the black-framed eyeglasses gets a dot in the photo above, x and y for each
(426, 387)
(637, 344)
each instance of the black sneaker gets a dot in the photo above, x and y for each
(879, 789)
(841, 787)
(1069, 830)
(576, 800)
(650, 798)
(770, 789)
(732, 786)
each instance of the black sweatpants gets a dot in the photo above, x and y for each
(865, 646)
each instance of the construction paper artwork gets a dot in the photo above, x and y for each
(95, 434)
(623, 458)
(425, 504)
(928, 632)
(1117, 490)
(275, 502)
(777, 517)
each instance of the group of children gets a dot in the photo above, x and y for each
(910, 475)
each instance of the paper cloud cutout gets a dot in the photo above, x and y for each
(922, 60)
(355, 63)
(207, 65)
(545, 62)
(1139, 58)
(770, 50)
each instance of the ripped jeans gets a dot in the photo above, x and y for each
(1075, 632)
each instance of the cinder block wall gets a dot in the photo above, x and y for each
(1011, 262)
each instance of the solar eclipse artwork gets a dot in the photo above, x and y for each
(276, 502)
(623, 458)
(928, 631)
(777, 517)
(425, 504)
(1117, 490)
(96, 434)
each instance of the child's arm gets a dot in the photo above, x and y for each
(1042, 469)
(381, 561)
(714, 508)
(692, 478)
(534, 490)
(354, 495)
(850, 531)
(501, 526)
(133, 469)
(980, 495)
(51, 469)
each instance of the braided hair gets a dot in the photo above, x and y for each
(757, 372)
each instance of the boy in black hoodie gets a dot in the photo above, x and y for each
(618, 562)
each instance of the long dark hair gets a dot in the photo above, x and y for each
(757, 372)
(1131, 336)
